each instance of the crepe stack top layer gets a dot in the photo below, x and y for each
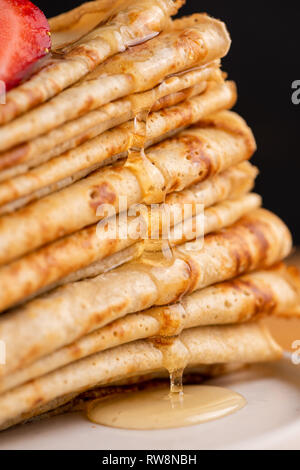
(127, 23)
(200, 44)
(136, 70)
(131, 113)
(72, 134)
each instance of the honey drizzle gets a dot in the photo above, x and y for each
(136, 155)
(156, 409)
(175, 359)
(176, 382)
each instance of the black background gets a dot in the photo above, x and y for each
(264, 61)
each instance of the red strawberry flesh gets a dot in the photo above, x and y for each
(24, 39)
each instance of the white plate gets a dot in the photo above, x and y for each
(270, 421)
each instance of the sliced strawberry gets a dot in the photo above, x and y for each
(24, 38)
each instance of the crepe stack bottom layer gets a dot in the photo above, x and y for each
(36, 380)
(142, 358)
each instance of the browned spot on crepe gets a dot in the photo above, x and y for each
(37, 401)
(263, 295)
(75, 350)
(239, 251)
(102, 194)
(197, 153)
(265, 301)
(256, 228)
(169, 323)
(16, 155)
(231, 128)
(84, 52)
(32, 353)
(87, 105)
(190, 39)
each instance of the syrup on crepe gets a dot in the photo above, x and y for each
(162, 407)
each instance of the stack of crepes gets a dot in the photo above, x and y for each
(131, 109)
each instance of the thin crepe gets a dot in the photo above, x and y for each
(74, 133)
(110, 146)
(80, 402)
(70, 259)
(59, 318)
(76, 252)
(214, 218)
(208, 148)
(247, 344)
(67, 28)
(275, 291)
(135, 21)
(139, 69)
